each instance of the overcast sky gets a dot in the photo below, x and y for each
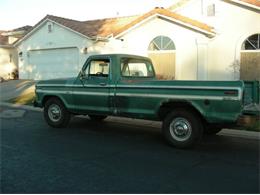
(17, 13)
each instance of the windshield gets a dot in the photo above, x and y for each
(136, 68)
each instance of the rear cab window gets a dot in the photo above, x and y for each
(136, 68)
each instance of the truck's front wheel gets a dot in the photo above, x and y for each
(55, 113)
(182, 128)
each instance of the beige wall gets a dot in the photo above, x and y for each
(8, 62)
(250, 65)
(164, 64)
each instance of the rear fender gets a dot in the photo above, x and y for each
(167, 106)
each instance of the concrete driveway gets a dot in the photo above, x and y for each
(14, 88)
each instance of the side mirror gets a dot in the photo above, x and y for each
(82, 75)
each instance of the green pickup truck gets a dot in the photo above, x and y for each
(125, 85)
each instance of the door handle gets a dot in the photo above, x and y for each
(102, 84)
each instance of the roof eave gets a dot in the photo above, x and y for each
(7, 46)
(238, 2)
(11, 33)
(205, 32)
(50, 20)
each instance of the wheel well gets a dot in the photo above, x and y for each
(47, 97)
(168, 107)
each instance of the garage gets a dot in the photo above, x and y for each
(53, 63)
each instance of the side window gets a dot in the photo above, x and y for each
(136, 68)
(99, 68)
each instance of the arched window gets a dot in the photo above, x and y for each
(161, 43)
(162, 52)
(252, 43)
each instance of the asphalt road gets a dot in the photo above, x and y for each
(111, 157)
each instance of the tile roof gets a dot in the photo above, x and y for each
(4, 35)
(23, 28)
(253, 5)
(115, 26)
(3, 39)
(93, 28)
(165, 12)
(252, 2)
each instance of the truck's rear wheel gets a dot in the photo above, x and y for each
(182, 128)
(97, 117)
(55, 113)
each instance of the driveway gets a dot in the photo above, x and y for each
(14, 88)
(115, 157)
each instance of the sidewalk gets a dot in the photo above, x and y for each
(135, 122)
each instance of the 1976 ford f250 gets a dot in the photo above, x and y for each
(125, 85)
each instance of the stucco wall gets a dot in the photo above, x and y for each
(59, 38)
(233, 25)
(138, 39)
(8, 62)
(197, 57)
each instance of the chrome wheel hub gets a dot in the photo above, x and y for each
(180, 129)
(54, 112)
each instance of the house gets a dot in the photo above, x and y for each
(8, 52)
(234, 53)
(191, 40)
(58, 47)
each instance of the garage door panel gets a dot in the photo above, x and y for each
(53, 63)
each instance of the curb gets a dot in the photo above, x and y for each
(153, 124)
(240, 134)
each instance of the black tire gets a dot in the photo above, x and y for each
(182, 128)
(56, 114)
(97, 117)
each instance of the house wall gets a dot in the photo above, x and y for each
(197, 57)
(137, 40)
(60, 39)
(8, 62)
(233, 25)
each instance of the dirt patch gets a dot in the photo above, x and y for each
(25, 99)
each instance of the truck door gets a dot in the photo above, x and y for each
(91, 90)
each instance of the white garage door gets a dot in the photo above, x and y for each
(53, 63)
